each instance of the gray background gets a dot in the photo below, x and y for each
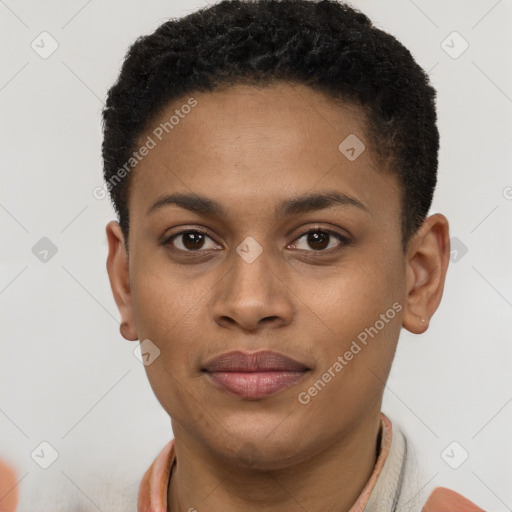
(70, 379)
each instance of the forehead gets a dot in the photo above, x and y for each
(247, 143)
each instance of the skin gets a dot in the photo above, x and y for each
(249, 149)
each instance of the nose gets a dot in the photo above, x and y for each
(253, 296)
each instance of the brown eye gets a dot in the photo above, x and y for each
(190, 241)
(320, 240)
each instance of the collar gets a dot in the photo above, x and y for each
(155, 482)
(389, 488)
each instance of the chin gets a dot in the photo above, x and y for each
(251, 456)
(253, 448)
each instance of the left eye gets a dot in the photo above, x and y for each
(320, 239)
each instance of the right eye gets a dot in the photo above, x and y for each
(191, 240)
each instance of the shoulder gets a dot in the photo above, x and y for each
(445, 500)
(441, 499)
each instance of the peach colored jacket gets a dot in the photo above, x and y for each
(152, 493)
(155, 482)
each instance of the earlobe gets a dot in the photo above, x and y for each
(427, 264)
(119, 277)
(127, 332)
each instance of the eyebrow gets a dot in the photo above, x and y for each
(293, 206)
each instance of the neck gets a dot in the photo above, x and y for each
(330, 479)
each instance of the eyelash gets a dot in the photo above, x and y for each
(343, 239)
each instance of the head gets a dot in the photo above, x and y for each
(272, 165)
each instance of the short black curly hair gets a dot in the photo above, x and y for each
(326, 45)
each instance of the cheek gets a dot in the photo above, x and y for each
(364, 321)
(165, 309)
(355, 297)
(361, 309)
(160, 296)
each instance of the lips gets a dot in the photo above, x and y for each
(255, 375)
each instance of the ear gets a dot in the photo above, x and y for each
(119, 276)
(427, 260)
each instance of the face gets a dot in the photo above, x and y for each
(252, 229)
